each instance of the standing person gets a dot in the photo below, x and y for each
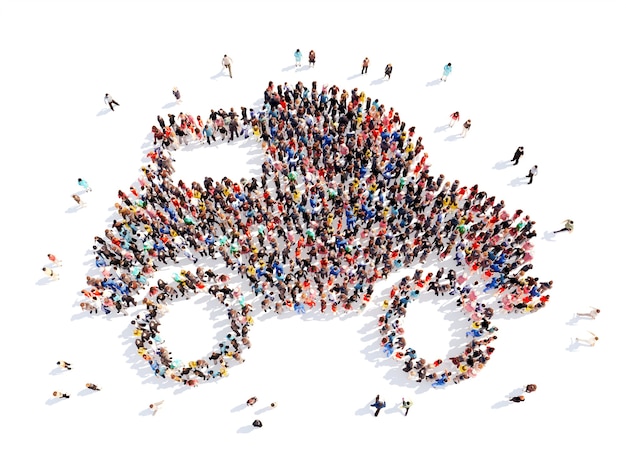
(227, 62)
(406, 404)
(466, 127)
(312, 58)
(569, 226)
(388, 70)
(517, 399)
(379, 405)
(298, 56)
(257, 423)
(91, 386)
(176, 94)
(530, 388)
(83, 184)
(366, 64)
(446, 71)
(251, 401)
(58, 394)
(50, 273)
(454, 118)
(519, 153)
(64, 365)
(56, 261)
(155, 406)
(591, 341)
(593, 313)
(531, 174)
(108, 99)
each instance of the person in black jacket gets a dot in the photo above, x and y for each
(519, 153)
(388, 71)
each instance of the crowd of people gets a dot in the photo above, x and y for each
(345, 198)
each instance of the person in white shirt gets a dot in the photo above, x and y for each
(227, 62)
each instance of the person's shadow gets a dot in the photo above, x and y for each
(287, 69)
(171, 104)
(519, 181)
(441, 128)
(548, 235)
(222, 73)
(103, 111)
(433, 82)
(245, 429)
(502, 164)
(356, 75)
(378, 81)
(452, 138)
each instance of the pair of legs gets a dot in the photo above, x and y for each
(113, 102)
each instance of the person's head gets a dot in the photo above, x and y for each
(449, 64)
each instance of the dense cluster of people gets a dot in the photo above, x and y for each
(345, 198)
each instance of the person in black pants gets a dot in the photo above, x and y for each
(519, 153)
(108, 99)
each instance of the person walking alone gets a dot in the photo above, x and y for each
(83, 184)
(446, 71)
(519, 153)
(406, 404)
(155, 406)
(569, 226)
(312, 58)
(366, 64)
(227, 62)
(176, 94)
(388, 70)
(64, 365)
(532, 173)
(379, 405)
(108, 99)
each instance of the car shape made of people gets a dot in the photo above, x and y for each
(345, 198)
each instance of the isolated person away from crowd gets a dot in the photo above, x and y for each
(366, 64)
(176, 94)
(517, 399)
(108, 99)
(406, 404)
(379, 405)
(519, 153)
(454, 118)
(155, 406)
(446, 71)
(312, 58)
(569, 226)
(64, 365)
(593, 313)
(532, 173)
(227, 62)
(56, 261)
(388, 70)
(298, 57)
(50, 273)
(83, 184)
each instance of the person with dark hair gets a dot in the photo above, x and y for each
(64, 365)
(517, 399)
(176, 93)
(91, 386)
(446, 71)
(108, 99)
(530, 388)
(379, 405)
(257, 423)
(519, 153)
(251, 401)
(366, 64)
(312, 58)
(454, 117)
(466, 127)
(406, 404)
(58, 394)
(593, 313)
(298, 56)
(569, 225)
(388, 70)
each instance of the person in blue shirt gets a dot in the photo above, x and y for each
(83, 184)
(298, 56)
(379, 405)
(446, 71)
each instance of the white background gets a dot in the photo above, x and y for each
(545, 75)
